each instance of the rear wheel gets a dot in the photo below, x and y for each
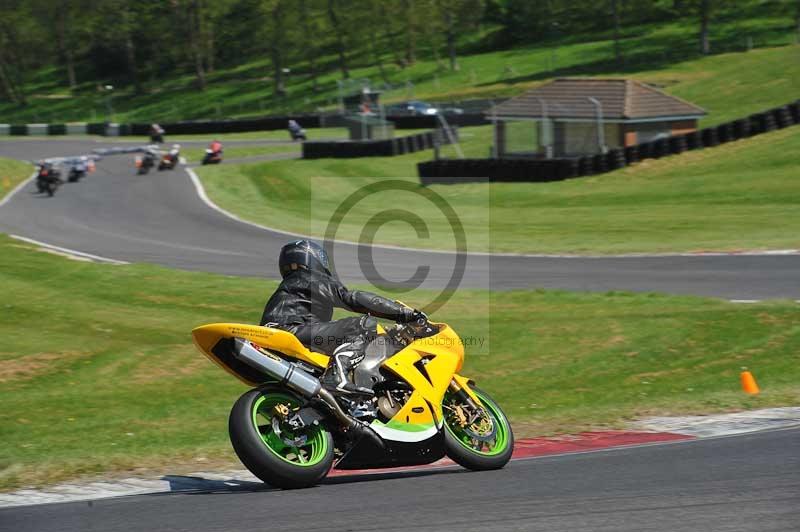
(270, 449)
(478, 440)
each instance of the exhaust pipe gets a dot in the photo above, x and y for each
(287, 374)
(302, 382)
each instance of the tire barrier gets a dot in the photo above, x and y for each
(540, 170)
(455, 171)
(585, 166)
(762, 123)
(615, 159)
(631, 154)
(725, 132)
(794, 109)
(741, 128)
(599, 164)
(783, 117)
(694, 141)
(345, 149)
(710, 137)
(677, 144)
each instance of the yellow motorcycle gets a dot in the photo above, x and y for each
(288, 430)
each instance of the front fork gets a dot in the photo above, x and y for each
(460, 387)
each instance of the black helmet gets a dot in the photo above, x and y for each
(303, 254)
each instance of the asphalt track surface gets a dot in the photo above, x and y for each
(159, 218)
(741, 483)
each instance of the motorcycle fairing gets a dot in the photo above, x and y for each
(208, 336)
(366, 455)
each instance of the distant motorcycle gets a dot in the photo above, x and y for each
(170, 159)
(145, 162)
(79, 168)
(156, 134)
(213, 153)
(48, 179)
(296, 132)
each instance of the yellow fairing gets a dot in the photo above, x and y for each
(207, 336)
(444, 355)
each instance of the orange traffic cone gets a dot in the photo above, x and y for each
(749, 383)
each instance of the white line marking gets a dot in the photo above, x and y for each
(745, 301)
(17, 189)
(67, 251)
(201, 192)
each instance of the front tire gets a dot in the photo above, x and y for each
(473, 453)
(266, 454)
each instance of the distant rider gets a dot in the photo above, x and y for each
(303, 305)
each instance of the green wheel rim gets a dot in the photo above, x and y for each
(310, 454)
(501, 435)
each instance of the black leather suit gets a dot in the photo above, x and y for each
(303, 304)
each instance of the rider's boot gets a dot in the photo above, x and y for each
(336, 378)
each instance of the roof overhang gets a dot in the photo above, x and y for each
(593, 119)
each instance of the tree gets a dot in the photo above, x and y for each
(339, 32)
(310, 25)
(615, 16)
(457, 16)
(20, 46)
(705, 17)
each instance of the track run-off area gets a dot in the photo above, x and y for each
(161, 218)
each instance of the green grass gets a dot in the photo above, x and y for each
(98, 373)
(12, 173)
(741, 195)
(665, 53)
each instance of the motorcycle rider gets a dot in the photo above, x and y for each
(303, 305)
(174, 153)
(215, 146)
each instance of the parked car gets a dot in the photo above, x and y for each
(417, 107)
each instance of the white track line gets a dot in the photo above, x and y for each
(69, 252)
(17, 189)
(201, 192)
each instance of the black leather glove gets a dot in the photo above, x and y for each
(419, 317)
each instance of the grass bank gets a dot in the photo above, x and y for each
(12, 173)
(728, 83)
(98, 373)
(741, 195)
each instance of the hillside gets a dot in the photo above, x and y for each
(664, 53)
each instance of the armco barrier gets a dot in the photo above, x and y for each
(56, 129)
(5, 129)
(37, 129)
(18, 129)
(76, 128)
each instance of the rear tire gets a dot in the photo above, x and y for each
(265, 454)
(465, 453)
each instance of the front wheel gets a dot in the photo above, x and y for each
(479, 440)
(270, 449)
